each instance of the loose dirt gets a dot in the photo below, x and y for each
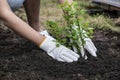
(22, 60)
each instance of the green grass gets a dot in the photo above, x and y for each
(51, 11)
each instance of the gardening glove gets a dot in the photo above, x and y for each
(89, 46)
(60, 53)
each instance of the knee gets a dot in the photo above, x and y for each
(15, 4)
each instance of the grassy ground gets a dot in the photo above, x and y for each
(51, 11)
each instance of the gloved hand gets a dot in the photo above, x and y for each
(60, 53)
(89, 46)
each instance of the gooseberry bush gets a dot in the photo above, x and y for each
(75, 29)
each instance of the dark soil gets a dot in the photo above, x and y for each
(22, 60)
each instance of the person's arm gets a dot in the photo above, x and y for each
(60, 53)
(32, 8)
(18, 25)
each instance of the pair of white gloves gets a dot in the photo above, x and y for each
(62, 53)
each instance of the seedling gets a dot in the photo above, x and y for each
(73, 33)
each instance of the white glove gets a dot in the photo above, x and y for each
(89, 46)
(60, 53)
